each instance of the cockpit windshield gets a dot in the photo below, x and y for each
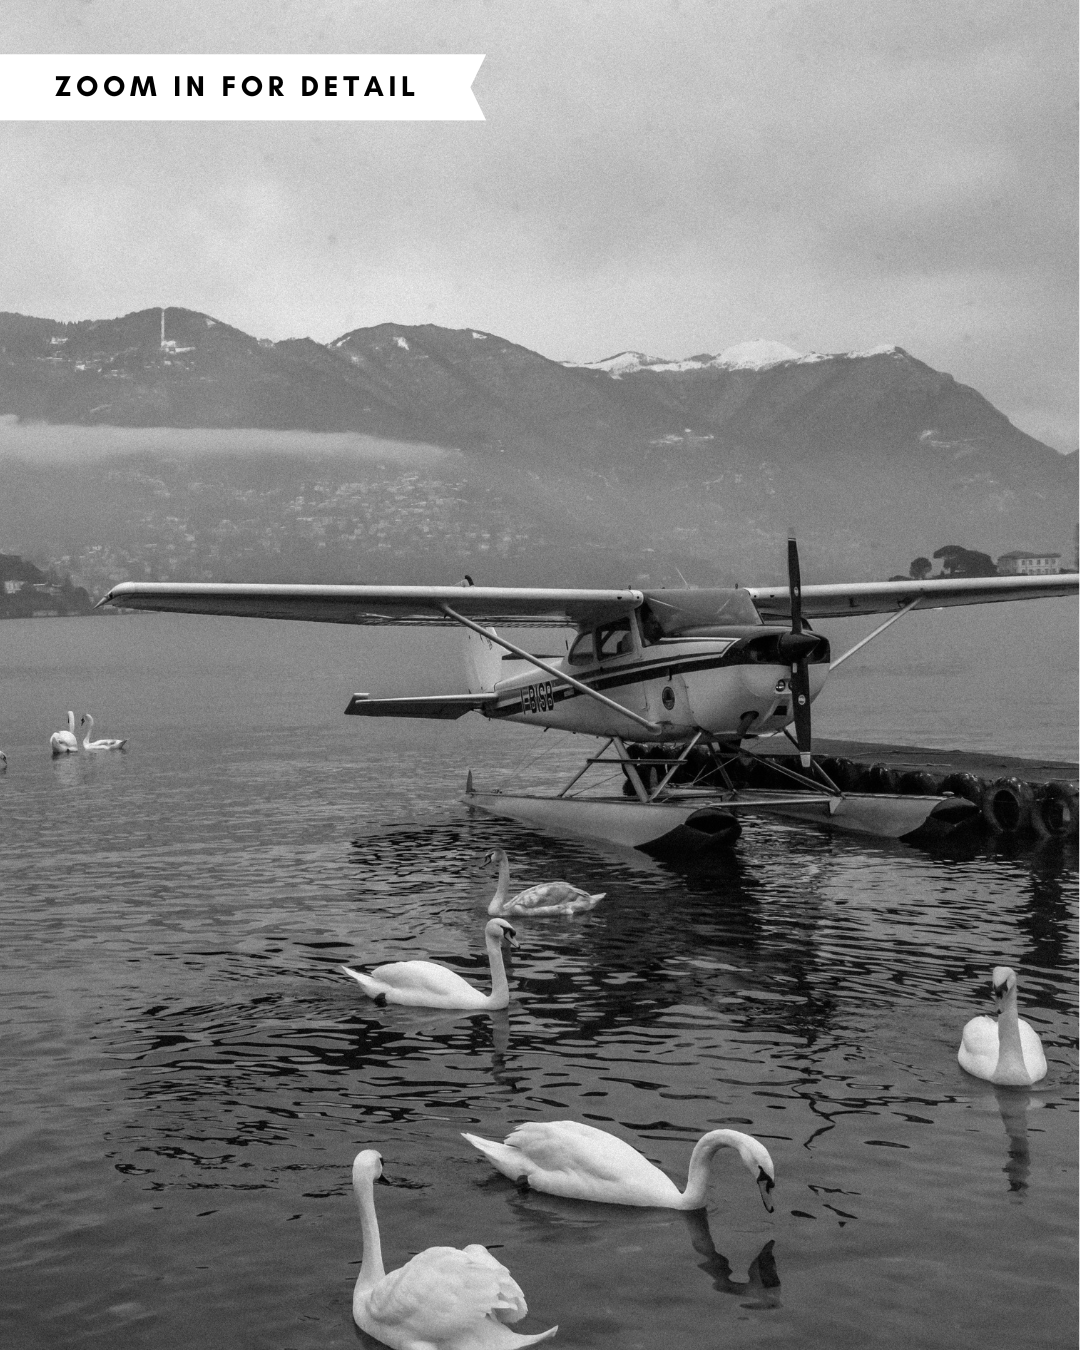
(669, 612)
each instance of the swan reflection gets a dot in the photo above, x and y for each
(1014, 1106)
(442, 1025)
(762, 1284)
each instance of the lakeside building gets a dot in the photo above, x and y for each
(1021, 563)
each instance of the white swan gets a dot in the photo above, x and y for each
(65, 742)
(1006, 1050)
(426, 984)
(88, 744)
(550, 897)
(564, 1157)
(445, 1298)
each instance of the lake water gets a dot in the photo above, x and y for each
(188, 1076)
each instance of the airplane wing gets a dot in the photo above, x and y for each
(882, 597)
(540, 607)
(504, 606)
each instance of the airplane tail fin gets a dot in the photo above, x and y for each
(483, 663)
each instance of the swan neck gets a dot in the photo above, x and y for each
(371, 1266)
(697, 1178)
(500, 989)
(89, 729)
(1010, 1049)
(502, 890)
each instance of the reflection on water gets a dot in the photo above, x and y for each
(191, 1075)
(761, 1288)
(1014, 1107)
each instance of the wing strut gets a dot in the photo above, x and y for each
(879, 629)
(550, 670)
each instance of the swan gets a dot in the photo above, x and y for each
(88, 744)
(3, 761)
(64, 742)
(550, 897)
(1006, 1051)
(426, 984)
(564, 1157)
(445, 1298)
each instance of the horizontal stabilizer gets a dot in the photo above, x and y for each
(443, 706)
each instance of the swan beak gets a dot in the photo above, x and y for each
(511, 938)
(1000, 990)
(765, 1185)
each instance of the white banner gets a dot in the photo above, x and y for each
(337, 88)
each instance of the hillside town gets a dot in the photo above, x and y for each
(353, 529)
(28, 592)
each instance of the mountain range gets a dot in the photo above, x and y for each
(195, 451)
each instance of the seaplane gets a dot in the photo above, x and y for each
(678, 684)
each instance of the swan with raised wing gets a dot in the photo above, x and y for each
(565, 1157)
(427, 984)
(88, 744)
(65, 742)
(549, 897)
(444, 1298)
(1005, 1050)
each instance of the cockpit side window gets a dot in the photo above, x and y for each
(601, 644)
(614, 640)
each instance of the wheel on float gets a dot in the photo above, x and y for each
(1007, 804)
(1054, 813)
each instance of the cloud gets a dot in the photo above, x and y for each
(44, 443)
(670, 178)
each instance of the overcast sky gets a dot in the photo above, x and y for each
(668, 177)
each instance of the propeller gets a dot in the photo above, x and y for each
(795, 647)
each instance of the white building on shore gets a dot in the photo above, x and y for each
(1021, 563)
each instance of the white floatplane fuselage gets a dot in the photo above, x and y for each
(680, 685)
(669, 668)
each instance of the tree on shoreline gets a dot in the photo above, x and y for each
(957, 561)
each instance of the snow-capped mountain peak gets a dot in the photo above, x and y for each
(622, 363)
(755, 355)
(758, 354)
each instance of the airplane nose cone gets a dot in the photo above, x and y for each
(796, 646)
